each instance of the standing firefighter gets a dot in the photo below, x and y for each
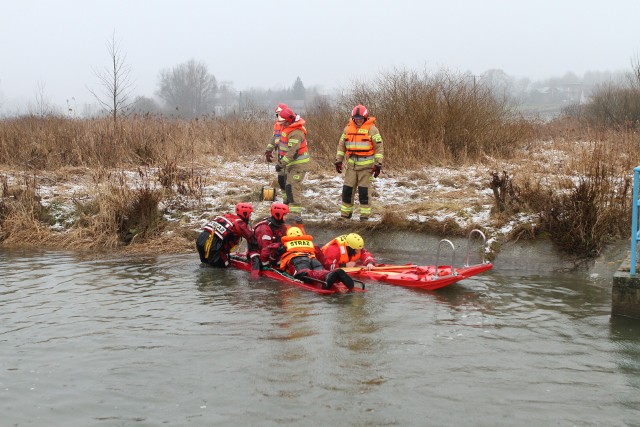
(295, 158)
(224, 232)
(274, 144)
(361, 147)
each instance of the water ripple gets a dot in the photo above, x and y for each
(158, 340)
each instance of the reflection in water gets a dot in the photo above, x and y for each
(624, 333)
(159, 340)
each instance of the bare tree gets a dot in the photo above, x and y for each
(188, 88)
(115, 79)
(42, 107)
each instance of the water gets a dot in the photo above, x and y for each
(150, 341)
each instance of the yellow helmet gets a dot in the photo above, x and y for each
(354, 241)
(294, 231)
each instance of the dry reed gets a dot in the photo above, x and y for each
(425, 120)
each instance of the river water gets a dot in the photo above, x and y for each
(89, 340)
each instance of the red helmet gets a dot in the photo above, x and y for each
(279, 210)
(243, 210)
(287, 115)
(360, 111)
(281, 107)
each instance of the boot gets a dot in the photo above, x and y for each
(345, 278)
(330, 279)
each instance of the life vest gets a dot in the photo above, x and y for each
(302, 155)
(341, 242)
(357, 139)
(296, 246)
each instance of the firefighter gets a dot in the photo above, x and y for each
(347, 251)
(295, 158)
(274, 144)
(299, 260)
(267, 234)
(219, 236)
(360, 153)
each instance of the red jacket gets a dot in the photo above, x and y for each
(229, 228)
(267, 234)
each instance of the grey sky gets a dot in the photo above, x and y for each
(326, 42)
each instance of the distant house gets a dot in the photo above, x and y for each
(570, 93)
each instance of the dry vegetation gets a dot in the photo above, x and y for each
(573, 177)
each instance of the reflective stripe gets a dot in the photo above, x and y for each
(346, 209)
(207, 246)
(361, 160)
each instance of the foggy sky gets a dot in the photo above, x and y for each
(58, 44)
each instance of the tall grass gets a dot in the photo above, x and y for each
(438, 119)
(581, 216)
(423, 120)
(53, 142)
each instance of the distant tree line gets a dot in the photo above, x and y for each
(189, 90)
(614, 104)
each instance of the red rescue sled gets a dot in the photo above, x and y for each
(241, 262)
(428, 277)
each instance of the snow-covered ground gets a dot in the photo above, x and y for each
(460, 194)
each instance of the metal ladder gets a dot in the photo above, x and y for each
(453, 252)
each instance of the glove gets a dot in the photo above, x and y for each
(376, 170)
(278, 168)
(268, 156)
(338, 167)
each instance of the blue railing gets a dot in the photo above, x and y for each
(634, 223)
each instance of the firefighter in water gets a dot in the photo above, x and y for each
(274, 144)
(299, 260)
(347, 251)
(219, 236)
(295, 158)
(267, 234)
(361, 148)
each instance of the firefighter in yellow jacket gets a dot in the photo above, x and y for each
(360, 153)
(295, 158)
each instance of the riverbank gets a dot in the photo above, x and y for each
(161, 209)
(442, 200)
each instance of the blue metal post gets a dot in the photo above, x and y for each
(634, 222)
